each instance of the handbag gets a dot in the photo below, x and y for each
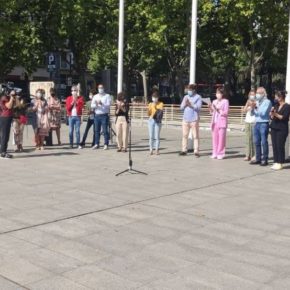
(158, 116)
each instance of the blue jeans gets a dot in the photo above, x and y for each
(154, 133)
(102, 121)
(261, 132)
(74, 125)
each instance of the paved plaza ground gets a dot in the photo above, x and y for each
(66, 221)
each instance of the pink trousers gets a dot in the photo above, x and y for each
(218, 141)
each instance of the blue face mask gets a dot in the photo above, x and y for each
(276, 101)
(190, 93)
(259, 97)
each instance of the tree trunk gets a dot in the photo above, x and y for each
(145, 85)
(253, 76)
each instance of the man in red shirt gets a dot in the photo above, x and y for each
(6, 116)
(74, 109)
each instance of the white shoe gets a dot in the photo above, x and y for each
(80, 147)
(96, 147)
(106, 147)
(277, 166)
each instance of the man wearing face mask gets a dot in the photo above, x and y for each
(6, 116)
(191, 106)
(91, 120)
(262, 109)
(101, 106)
(74, 108)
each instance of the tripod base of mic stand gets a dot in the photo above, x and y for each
(131, 171)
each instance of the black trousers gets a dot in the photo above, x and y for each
(5, 127)
(278, 143)
(90, 123)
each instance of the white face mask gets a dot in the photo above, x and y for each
(101, 90)
(39, 95)
(90, 96)
(154, 100)
(74, 94)
(259, 97)
(252, 98)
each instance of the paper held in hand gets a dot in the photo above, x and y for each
(206, 101)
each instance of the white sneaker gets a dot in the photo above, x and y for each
(277, 166)
(80, 147)
(106, 147)
(96, 147)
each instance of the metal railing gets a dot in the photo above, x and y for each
(173, 115)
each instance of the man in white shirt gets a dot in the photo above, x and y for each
(101, 105)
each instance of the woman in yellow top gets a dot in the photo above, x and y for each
(155, 113)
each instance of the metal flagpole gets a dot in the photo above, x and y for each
(121, 45)
(193, 42)
(192, 58)
(288, 85)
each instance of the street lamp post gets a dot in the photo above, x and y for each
(192, 75)
(193, 42)
(288, 84)
(121, 45)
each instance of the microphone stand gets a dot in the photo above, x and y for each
(130, 167)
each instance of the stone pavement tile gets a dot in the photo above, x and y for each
(222, 209)
(180, 283)
(268, 248)
(131, 268)
(174, 202)
(37, 215)
(109, 219)
(242, 270)
(208, 243)
(179, 251)
(52, 261)
(72, 228)
(230, 233)
(117, 241)
(179, 221)
(254, 223)
(138, 211)
(281, 283)
(5, 284)
(162, 262)
(275, 216)
(266, 261)
(37, 237)
(96, 278)
(153, 231)
(10, 245)
(278, 239)
(81, 207)
(56, 283)
(77, 251)
(8, 225)
(217, 279)
(21, 271)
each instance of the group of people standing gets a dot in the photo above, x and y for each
(261, 117)
(98, 107)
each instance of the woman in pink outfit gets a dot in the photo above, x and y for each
(219, 123)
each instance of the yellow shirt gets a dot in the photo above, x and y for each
(152, 108)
